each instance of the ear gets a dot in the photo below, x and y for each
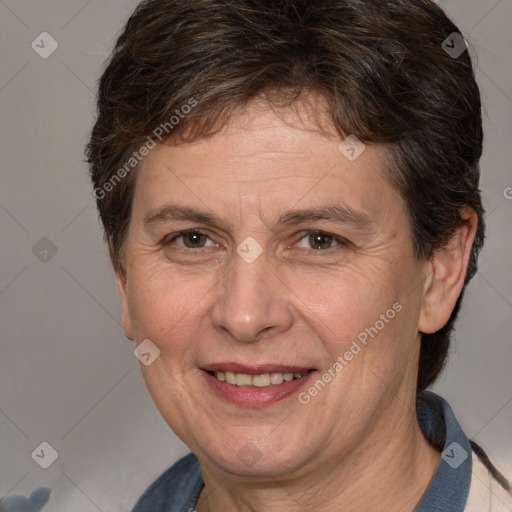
(121, 290)
(446, 274)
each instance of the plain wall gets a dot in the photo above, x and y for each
(67, 374)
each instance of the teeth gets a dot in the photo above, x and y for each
(276, 378)
(230, 378)
(259, 381)
(243, 379)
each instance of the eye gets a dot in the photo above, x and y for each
(320, 241)
(192, 239)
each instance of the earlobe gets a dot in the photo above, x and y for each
(123, 298)
(446, 274)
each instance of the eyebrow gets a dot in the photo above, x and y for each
(175, 212)
(340, 214)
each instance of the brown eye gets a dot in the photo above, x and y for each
(191, 240)
(318, 240)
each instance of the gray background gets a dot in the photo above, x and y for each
(67, 374)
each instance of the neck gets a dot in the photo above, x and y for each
(389, 471)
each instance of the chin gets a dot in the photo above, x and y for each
(275, 457)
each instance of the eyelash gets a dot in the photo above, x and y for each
(340, 242)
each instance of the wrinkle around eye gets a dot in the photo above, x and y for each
(301, 247)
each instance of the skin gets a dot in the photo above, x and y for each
(357, 443)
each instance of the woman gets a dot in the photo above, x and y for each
(290, 197)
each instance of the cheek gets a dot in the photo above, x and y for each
(161, 302)
(344, 302)
(368, 318)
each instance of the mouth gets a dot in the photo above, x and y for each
(258, 386)
(260, 380)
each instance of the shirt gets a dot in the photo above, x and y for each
(461, 482)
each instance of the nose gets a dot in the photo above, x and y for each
(252, 302)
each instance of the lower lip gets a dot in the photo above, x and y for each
(250, 396)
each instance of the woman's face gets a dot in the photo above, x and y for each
(267, 288)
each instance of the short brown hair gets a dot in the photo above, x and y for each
(380, 65)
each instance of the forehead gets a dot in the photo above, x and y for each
(269, 159)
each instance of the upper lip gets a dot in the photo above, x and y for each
(254, 369)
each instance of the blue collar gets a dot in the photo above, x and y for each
(449, 487)
(178, 489)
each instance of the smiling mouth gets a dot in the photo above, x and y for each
(261, 380)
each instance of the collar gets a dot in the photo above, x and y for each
(449, 487)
